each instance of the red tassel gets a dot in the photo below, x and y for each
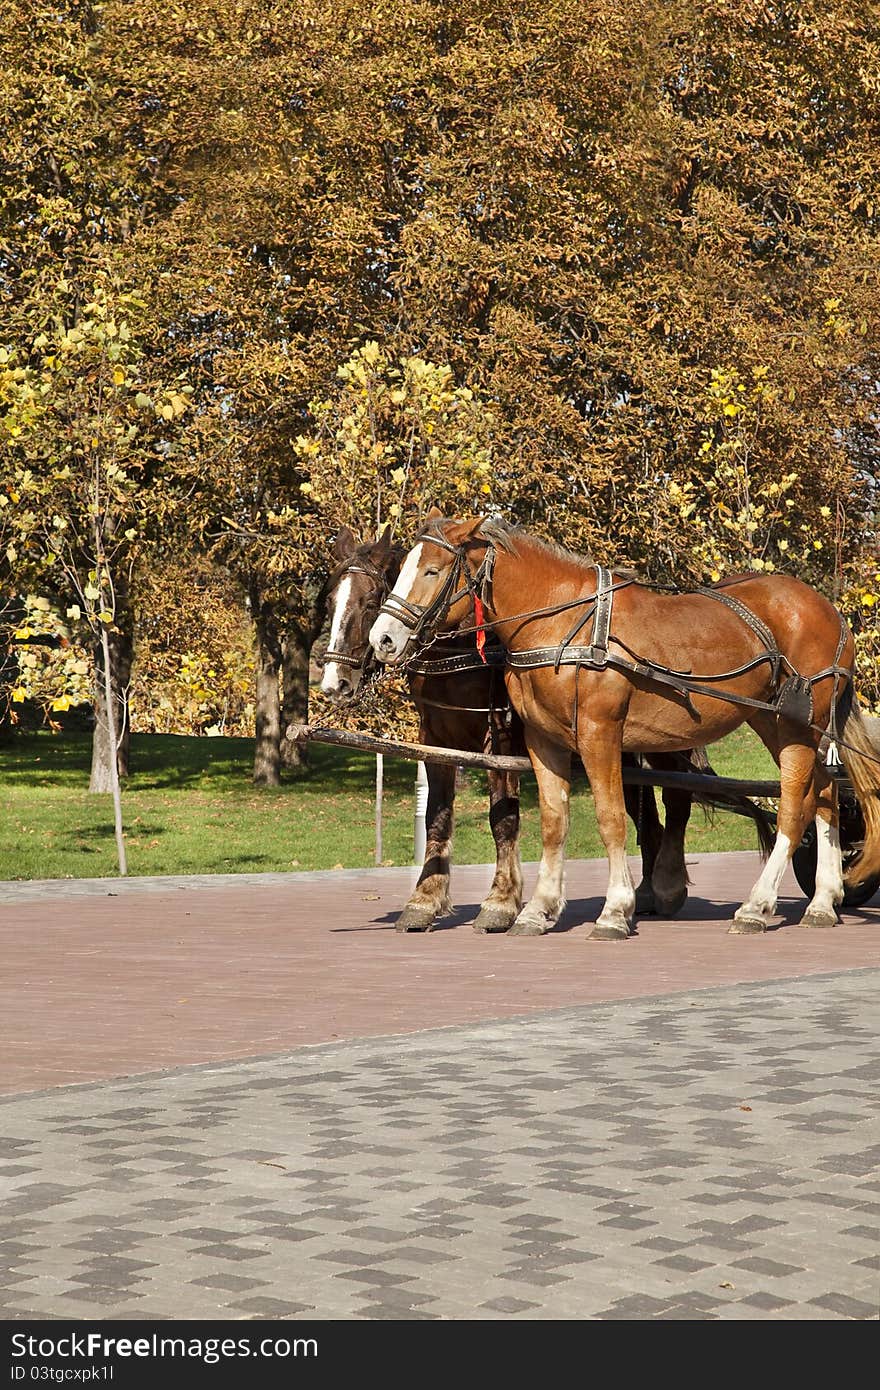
(479, 619)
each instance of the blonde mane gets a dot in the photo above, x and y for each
(508, 538)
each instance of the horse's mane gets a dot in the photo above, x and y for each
(509, 538)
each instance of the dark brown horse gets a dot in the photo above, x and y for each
(603, 665)
(466, 706)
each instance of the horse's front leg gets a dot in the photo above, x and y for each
(504, 900)
(430, 898)
(552, 767)
(599, 745)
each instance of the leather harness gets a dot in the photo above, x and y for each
(793, 701)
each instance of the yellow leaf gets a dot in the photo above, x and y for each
(19, 695)
(62, 703)
(118, 379)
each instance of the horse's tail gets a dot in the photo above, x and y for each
(711, 800)
(860, 750)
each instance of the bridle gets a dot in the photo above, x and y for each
(421, 620)
(355, 661)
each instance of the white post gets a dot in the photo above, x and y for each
(380, 772)
(419, 827)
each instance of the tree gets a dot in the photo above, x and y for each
(76, 498)
(643, 235)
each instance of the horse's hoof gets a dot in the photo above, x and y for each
(646, 903)
(667, 907)
(495, 919)
(530, 926)
(415, 919)
(747, 926)
(815, 918)
(604, 931)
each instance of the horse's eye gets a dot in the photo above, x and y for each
(432, 573)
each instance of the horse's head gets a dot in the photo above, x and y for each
(435, 589)
(362, 578)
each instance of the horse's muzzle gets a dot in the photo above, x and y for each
(340, 683)
(389, 640)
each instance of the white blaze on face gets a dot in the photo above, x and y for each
(334, 674)
(390, 630)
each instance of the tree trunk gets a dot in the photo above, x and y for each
(295, 699)
(120, 647)
(113, 741)
(267, 752)
(101, 779)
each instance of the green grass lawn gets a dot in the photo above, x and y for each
(189, 807)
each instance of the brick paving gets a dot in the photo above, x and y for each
(350, 1123)
(166, 973)
(706, 1155)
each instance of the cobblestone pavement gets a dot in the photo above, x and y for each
(711, 1154)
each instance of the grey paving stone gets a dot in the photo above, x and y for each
(586, 1164)
(848, 1307)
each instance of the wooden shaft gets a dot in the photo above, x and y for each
(420, 752)
(416, 752)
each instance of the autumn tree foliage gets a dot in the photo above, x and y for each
(643, 236)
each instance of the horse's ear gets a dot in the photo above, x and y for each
(471, 527)
(433, 514)
(345, 543)
(384, 541)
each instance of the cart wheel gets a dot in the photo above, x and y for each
(804, 864)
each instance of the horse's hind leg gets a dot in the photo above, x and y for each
(504, 900)
(828, 893)
(552, 766)
(430, 898)
(670, 873)
(796, 769)
(641, 807)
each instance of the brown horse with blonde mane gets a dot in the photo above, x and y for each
(462, 703)
(601, 664)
